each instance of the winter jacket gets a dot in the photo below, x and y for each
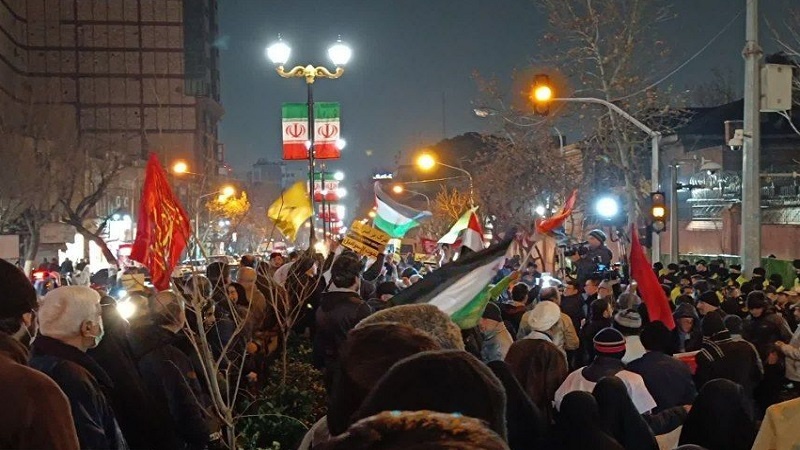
(573, 306)
(496, 342)
(792, 353)
(130, 399)
(85, 384)
(765, 330)
(686, 342)
(779, 429)
(668, 380)
(36, 412)
(589, 330)
(173, 383)
(562, 334)
(338, 313)
(733, 360)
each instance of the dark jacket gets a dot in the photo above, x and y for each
(668, 380)
(588, 332)
(723, 357)
(171, 380)
(682, 342)
(765, 330)
(36, 414)
(338, 313)
(130, 399)
(572, 305)
(85, 383)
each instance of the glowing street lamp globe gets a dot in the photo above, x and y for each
(180, 167)
(340, 53)
(338, 176)
(542, 93)
(426, 161)
(279, 53)
(398, 189)
(228, 191)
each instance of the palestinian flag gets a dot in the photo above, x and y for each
(393, 218)
(461, 288)
(461, 224)
(295, 130)
(473, 235)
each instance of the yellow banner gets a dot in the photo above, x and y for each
(365, 240)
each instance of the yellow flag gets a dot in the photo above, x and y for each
(291, 209)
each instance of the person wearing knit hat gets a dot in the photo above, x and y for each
(609, 345)
(35, 412)
(708, 303)
(454, 382)
(496, 338)
(722, 357)
(597, 248)
(423, 317)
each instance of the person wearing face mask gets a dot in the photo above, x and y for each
(36, 413)
(70, 323)
(340, 309)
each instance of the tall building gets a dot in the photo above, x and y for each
(133, 75)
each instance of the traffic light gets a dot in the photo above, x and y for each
(658, 211)
(541, 94)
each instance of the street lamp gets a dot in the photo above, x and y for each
(224, 192)
(399, 189)
(426, 161)
(180, 167)
(542, 95)
(339, 54)
(607, 207)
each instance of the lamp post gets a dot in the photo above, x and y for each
(426, 161)
(226, 191)
(399, 189)
(339, 54)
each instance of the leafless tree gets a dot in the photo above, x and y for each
(718, 90)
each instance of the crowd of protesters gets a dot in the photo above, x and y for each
(572, 364)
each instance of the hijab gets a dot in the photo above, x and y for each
(578, 425)
(720, 418)
(619, 416)
(525, 421)
(540, 368)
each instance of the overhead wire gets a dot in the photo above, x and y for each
(685, 63)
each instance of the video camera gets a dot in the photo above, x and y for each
(581, 249)
(604, 272)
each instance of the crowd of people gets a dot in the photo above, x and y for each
(572, 364)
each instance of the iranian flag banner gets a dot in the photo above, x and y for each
(295, 130)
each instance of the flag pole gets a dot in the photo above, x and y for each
(312, 237)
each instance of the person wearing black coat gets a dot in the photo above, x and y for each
(687, 336)
(133, 405)
(720, 418)
(340, 309)
(526, 424)
(620, 418)
(70, 324)
(578, 425)
(668, 380)
(169, 375)
(600, 313)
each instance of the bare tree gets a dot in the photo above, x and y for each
(718, 90)
(787, 34)
(609, 50)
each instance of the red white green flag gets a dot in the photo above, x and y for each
(326, 130)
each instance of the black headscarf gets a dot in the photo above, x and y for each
(526, 423)
(578, 425)
(619, 416)
(720, 418)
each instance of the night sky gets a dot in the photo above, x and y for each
(407, 55)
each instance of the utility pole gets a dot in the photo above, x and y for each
(655, 185)
(674, 250)
(751, 150)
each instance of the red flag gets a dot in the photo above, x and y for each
(163, 228)
(544, 226)
(649, 288)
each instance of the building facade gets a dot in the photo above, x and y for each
(127, 76)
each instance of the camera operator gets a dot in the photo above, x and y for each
(598, 252)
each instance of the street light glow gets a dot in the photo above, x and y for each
(338, 176)
(542, 93)
(180, 167)
(341, 192)
(607, 207)
(340, 144)
(339, 53)
(426, 161)
(398, 189)
(540, 210)
(228, 191)
(279, 53)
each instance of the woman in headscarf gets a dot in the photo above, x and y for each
(578, 425)
(525, 422)
(540, 368)
(720, 418)
(448, 381)
(620, 418)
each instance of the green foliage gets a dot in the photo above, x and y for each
(278, 417)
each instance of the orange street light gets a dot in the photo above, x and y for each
(228, 191)
(398, 189)
(426, 161)
(180, 167)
